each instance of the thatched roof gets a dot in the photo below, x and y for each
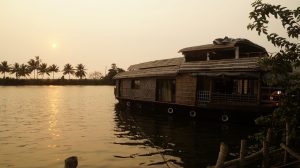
(157, 63)
(171, 67)
(242, 64)
(166, 67)
(230, 43)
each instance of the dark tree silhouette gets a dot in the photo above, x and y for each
(37, 65)
(32, 66)
(111, 73)
(15, 70)
(53, 69)
(24, 71)
(80, 71)
(68, 69)
(281, 63)
(114, 70)
(4, 67)
(43, 69)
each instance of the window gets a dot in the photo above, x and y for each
(165, 90)
(135, 84)
(245, 86)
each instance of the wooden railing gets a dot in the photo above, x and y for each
(269, 156)
(205, 97)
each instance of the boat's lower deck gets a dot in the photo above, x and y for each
(217, 112)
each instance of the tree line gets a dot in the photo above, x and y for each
(36, 67)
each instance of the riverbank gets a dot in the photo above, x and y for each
(17, 82)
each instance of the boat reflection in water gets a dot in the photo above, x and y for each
(180, 141)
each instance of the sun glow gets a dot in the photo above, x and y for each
(53, 45)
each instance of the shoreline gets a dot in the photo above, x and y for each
(36, 82)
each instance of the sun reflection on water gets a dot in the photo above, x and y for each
(53, 96)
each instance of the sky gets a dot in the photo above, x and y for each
(98, 33)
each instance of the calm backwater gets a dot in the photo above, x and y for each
(40, 126)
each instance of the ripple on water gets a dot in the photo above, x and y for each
(41, 126)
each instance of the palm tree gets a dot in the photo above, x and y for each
(53, 68)
(32, 66)
(68, 69)
(23, 70)
(4, 67)
(80, 71)
(37, 65)
(43, 69)
(16, 69)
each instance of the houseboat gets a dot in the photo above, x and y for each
(224, 76)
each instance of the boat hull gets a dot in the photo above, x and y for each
(217, 112)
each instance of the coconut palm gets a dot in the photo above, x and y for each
(68, 69)
(43, 69)
(80, 71)
(32, 66)
(53, 68)
(37, 65)
(24, 71)
(4, 67)
(15, 70)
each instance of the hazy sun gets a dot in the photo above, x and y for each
(53, 45)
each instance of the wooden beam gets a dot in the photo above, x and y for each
(222, 155)
(290, 151)
(242, 152)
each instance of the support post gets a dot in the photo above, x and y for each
(242, 152)
(210, 88)
(287, 139)
(259, 90)
(237, 53)
(222, 155)
(266, 157)
(290, 151)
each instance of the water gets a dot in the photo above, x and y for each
(40, 126)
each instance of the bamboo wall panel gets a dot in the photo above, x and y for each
(186, 89)
(145, 92)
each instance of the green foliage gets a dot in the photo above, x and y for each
(290, 20)
(281, 64)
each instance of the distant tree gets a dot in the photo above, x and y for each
(95, 75)
(68, 69)
(54, 69)
(113, 71)
(33, 66)
(80, 71)
(24, 71)
(38, 61)
(15, 70)
(281, 64)
(43, 69)
(4, 67)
